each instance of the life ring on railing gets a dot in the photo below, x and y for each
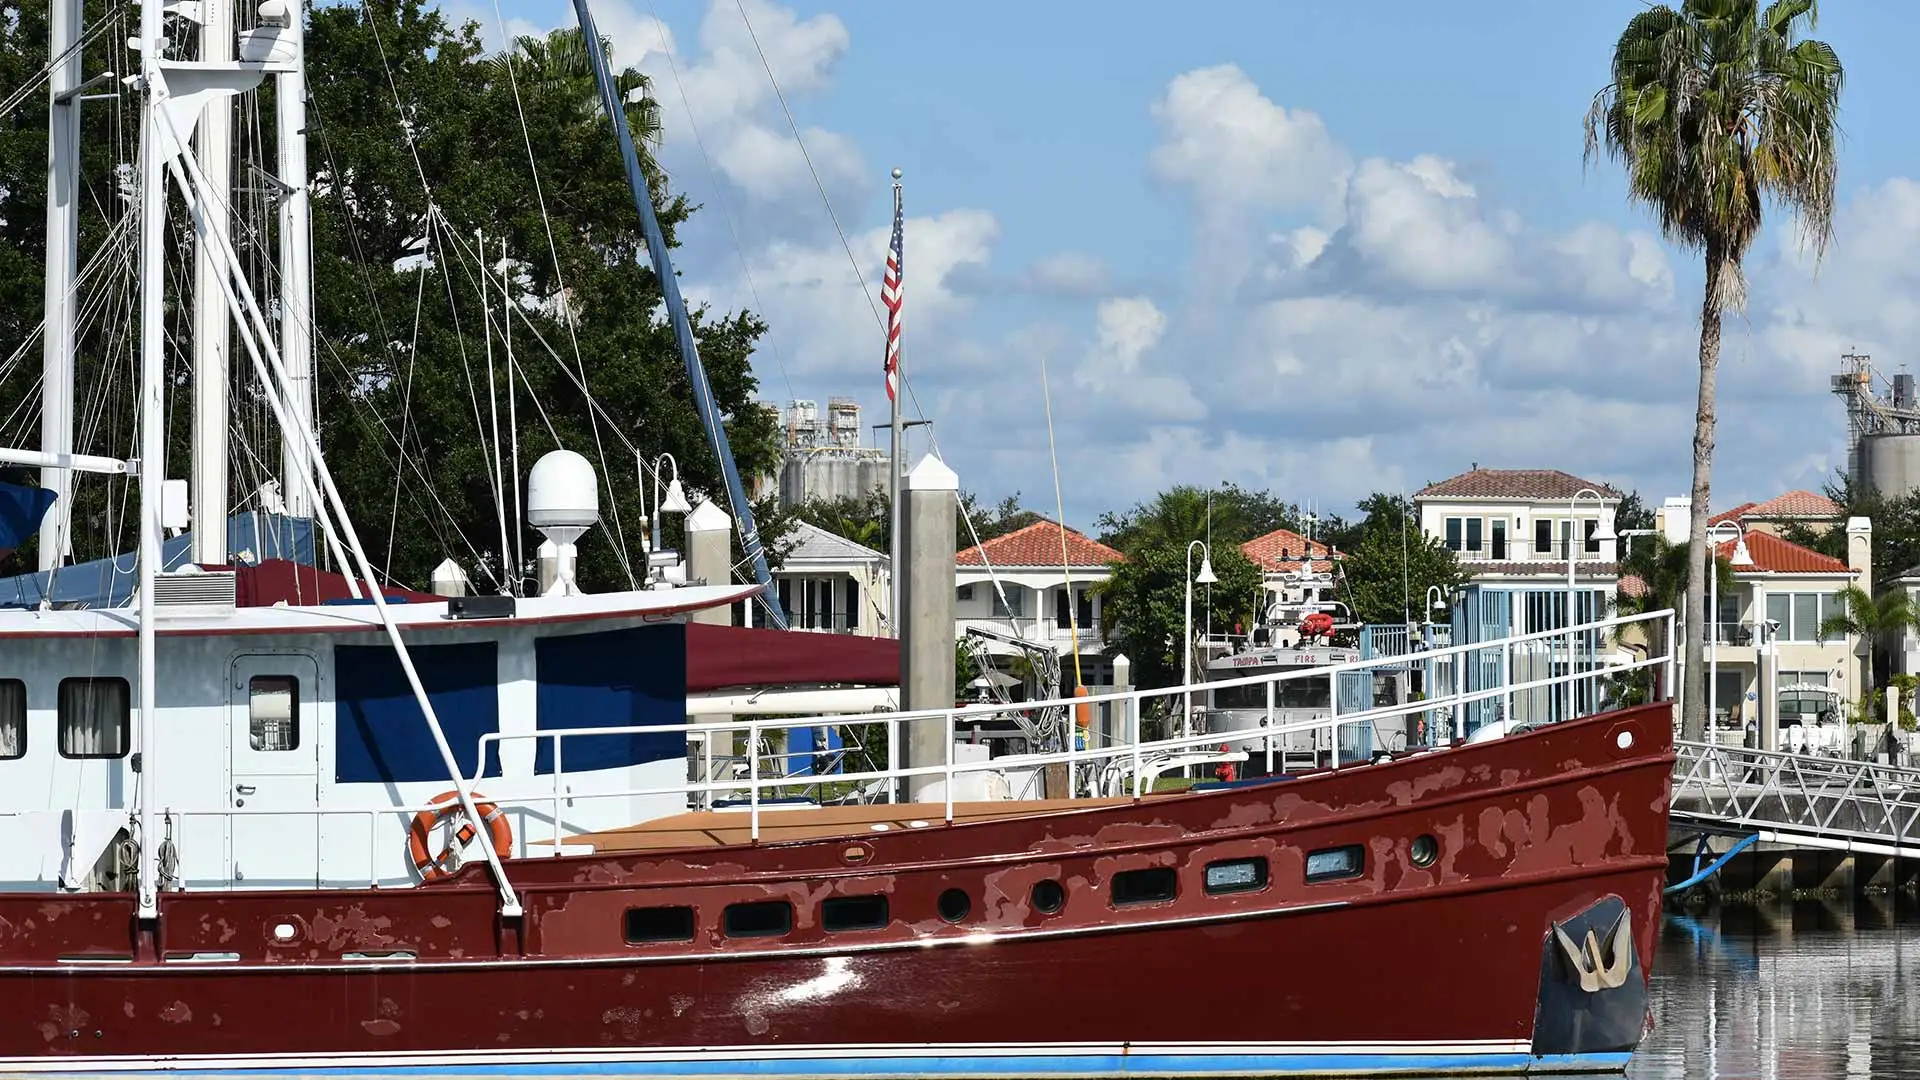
(419, 834)
(1317, 624)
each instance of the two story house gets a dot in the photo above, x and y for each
(1018, 584)
(829, 583)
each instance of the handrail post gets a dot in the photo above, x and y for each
(1333, 715)
(1070, 732)
(1133, 706)
(1506, 680)
(557, 770)
(373, 849)
(1270, 727)
(949, 783)
(1459, 709)
(753, 778)
(893, 760)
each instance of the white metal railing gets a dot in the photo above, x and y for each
(1815, 801)
(1118, 768)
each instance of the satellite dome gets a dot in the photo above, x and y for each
(562, 492)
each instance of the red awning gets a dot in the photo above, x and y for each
(726, 656)
(273, 581)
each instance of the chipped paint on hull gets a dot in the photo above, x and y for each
(1531, 830)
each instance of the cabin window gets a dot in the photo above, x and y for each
(1236, 875)
(1048, 896)
(645, 924)
(1148, 886)
(764, 918)
(13, 719)
(1332, 864)
(853, 913)
(273, 713)
(94, 717)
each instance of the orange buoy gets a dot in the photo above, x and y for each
(419, 834)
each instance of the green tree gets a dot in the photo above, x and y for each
(989, 522)
(1390, 563)
(863, 519)
(1185, 512)
(1879, 623)
(1712, 109)
(1632, 513)
(1144, 604)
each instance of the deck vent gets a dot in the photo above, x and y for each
(195, 592)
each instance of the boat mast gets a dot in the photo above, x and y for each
(211, 328)
(677, 314)
(64, 20)
(296, 267)
(151, 416)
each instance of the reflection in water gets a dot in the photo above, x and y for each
(1799, 993)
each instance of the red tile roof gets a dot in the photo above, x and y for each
(1633, 585)
(1280, 551)
(1797, 504)
(1541, 568)
(1515, 484)
(1734, 515)
(1039, 545)
(1772, 555)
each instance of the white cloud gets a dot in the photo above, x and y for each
(1070, 273)
(1237, 149)
(1128, 329)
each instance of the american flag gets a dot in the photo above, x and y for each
(891, 296)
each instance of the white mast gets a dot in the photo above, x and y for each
(152, 365)
(296, 263)
(211, 329)
(64, 18)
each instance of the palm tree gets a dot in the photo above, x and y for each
(1654, 577)
(1712, 109)
(1879, 623)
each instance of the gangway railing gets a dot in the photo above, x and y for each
(1800, 799)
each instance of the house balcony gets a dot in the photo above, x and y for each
(1057, 635)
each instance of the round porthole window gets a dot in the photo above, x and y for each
(954, 905)
(1425, 850)
(1048, 896)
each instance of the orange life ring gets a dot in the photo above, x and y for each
(432, 865)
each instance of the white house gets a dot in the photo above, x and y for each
(1022, 584)
(828, 583)
(1515, 525)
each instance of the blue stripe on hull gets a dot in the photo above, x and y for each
(1304, 1063)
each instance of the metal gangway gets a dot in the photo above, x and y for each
(1808, 801)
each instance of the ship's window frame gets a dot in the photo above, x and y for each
(839, 914)
(1144, 885)
(1259, 881)
(662, 923)
(1354, 865)
(118, 715)
(13, 719)
(257, 729)
(750, 919)
(1047, 896)
(954, 905)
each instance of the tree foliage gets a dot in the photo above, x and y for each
(407, 307)
(1228, 513)
(1144, 605)
(1390, 564)
(867, 519)
(1712, 109)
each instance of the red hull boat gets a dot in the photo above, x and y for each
(1490, 907)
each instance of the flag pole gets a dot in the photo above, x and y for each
(890, 295)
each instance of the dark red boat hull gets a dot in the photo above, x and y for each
(1451, 966)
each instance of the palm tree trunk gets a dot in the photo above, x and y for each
(1693, 707)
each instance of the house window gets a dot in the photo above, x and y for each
(1499, 538)
(94, 716)
(853, 604)
(1009, 602)
(1473, 534)
(1542, 536)
(273, 713)
(1801, 613)
(1592, 526)
(13, 719)
(964, 592)
(1083, 607)
(1062, 607)
(1453, 534)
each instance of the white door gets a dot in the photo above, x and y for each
(273, 745)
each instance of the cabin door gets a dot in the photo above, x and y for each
(273, 742)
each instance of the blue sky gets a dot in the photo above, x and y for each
(1323, 249)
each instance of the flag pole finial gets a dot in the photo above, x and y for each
(896, 174)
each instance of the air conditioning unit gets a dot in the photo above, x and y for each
(195, 592)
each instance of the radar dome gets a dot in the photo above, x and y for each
(562, 492)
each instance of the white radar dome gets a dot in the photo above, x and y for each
(562, 492)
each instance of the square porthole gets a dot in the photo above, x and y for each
(649, 924)
(1333, 864)
(1236, 875)
(763, 918)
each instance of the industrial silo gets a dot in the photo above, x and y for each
(1890, 463)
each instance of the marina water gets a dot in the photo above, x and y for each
(1800, 991)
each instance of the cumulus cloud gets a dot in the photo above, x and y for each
(1128, 328)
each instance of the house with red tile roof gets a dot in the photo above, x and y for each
(1772, 516)
(1516, 525)
(1038, 583)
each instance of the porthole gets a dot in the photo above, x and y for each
(1048, 896)
(954, 905)
(1425, 850)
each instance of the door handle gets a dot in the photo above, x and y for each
(244, 789)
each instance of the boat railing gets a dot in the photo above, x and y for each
(1477, 672)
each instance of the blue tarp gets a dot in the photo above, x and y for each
(21, 509)
(380, 734)
(612, 678)
(103, 583)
